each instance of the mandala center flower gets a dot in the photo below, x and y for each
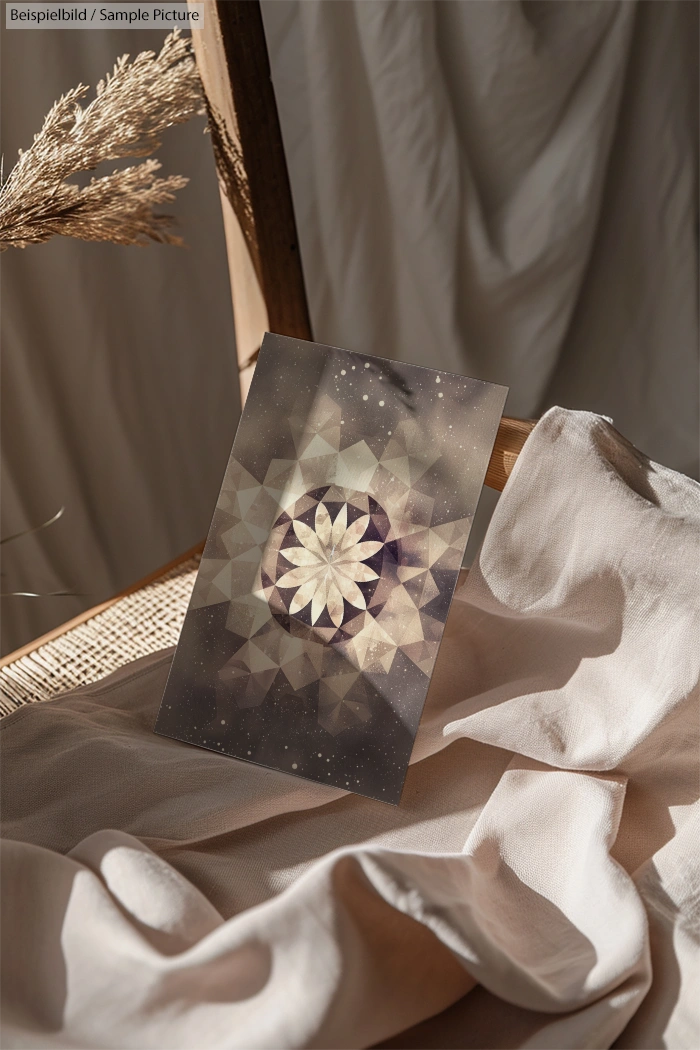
(329, 564)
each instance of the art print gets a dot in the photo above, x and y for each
(330, 565)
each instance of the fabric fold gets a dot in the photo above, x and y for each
(536, 887)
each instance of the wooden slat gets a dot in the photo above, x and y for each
(512, 435)
(267, 281)
(262, 153)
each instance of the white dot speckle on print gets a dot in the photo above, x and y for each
(364, 397)
(440, 393)
(381, 404)
(437, 379)
(223, 721)
(343, 372)
(367, 364)
(294, 765)
(320, 755)
(249, 752)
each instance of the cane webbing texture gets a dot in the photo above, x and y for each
(140, 623)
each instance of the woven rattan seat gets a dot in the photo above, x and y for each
(143, 621)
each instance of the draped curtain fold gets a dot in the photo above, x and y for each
(504, 189)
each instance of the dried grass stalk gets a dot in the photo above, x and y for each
(132, 108)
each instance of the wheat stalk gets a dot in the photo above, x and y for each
(132, 108)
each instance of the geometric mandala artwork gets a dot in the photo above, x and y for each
(325, 583)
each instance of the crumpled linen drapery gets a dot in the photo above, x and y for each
(537, 887)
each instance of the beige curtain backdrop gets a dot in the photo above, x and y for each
(505, 189)
(119, 378)
(502, 189)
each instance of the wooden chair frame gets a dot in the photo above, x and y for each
(267, 281)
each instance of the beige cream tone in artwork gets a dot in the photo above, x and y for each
(324, 587)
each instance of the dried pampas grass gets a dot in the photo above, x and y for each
(132, 108)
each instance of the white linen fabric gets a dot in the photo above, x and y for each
(537, 886)
(507, 190)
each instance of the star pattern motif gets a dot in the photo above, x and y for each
(329, 564)
(293, 545)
